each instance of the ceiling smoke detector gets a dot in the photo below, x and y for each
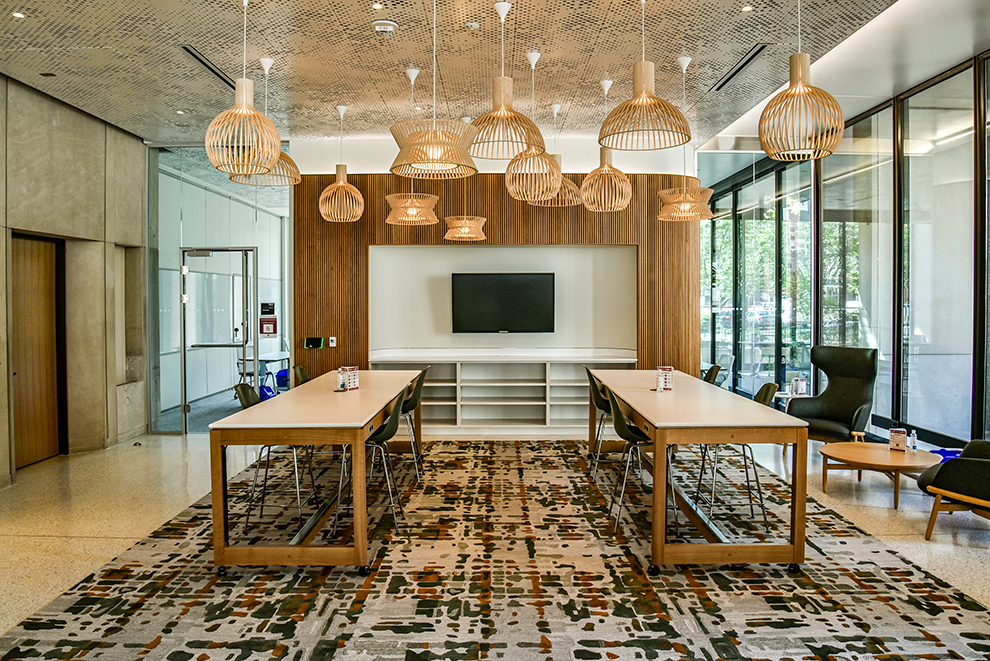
(384, 28)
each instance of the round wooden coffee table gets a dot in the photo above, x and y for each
(875, 457)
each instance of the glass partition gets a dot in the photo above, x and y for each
(795, 257)
(938, 262)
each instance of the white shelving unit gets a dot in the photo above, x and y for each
(489, 391)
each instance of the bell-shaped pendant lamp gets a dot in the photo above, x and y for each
(503, 132)
(412, 209)
(568, 195)
(533, 175)
(688, 201)
(241, 140)
(433, 148)
(464, 228)
(644, 122)
(802, 122)
(341, 202)
(285, 172)
(606, 189)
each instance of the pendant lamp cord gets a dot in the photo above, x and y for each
(245, 39)
(533, 91)
(266, 92)
(642, 4)
(799, 26)
(341, 141)
(684, 109)
(503, 47)
(434, 60)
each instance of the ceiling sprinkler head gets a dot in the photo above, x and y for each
(606, 85)
(503, 9)
(533, 58)
(266, 64)
(411, 73)
(384, 28)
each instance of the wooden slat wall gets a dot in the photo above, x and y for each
(331, 259)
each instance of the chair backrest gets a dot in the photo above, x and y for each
(765, 394)
(596, 394)
(387, 430)
(247, 395)
(302, 376)
(852, 373)
(625, 431)
(712, 373)
(412, 401)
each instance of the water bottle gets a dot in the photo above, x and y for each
(913, 441)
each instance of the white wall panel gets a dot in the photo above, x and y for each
(169, 222)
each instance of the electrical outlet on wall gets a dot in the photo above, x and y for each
(332, 342)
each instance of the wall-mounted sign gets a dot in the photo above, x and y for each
(267, 309)
(268, 327)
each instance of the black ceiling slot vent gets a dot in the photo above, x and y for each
(739, 66)
(212, 68)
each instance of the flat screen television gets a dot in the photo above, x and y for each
(502, 302)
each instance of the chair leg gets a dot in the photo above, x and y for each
(620, 491)
(254, 486)
(599, 439)
(264, 485)
(711, 503)
(701, 473)
(412, 443)
(388, 482)
(931, 519)
(759, 489)
(295, 472)
(670, 488)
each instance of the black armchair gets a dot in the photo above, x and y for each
(964, 483)
(844, 407)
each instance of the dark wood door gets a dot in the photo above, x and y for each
(34, 351)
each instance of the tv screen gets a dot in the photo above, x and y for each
(502, 302)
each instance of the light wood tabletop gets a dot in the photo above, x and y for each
(309, 414)
(875, 457)
(698, 412)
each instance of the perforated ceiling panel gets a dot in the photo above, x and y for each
(122, 60)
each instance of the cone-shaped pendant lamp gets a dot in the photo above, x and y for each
(533, 175)
(606, 189)
(802, 122)
(644, 122)
(568, 195)
(433, 148)
(242, 140)
(503, 132)
(340, 202)
(689, 201)
(464, 228)
(285, 172)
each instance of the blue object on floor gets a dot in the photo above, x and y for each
(266, 393)
(946, 454)
(282, 379)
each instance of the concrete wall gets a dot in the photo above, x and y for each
(67, 174)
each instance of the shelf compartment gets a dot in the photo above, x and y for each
(500, 401)
(504, 372)
(569, 401)
(444, 401)
(502, 422)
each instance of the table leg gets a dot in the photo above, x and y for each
(824, 474)
(799, 496)
(218, 478)
(659, 501)
(897, 488)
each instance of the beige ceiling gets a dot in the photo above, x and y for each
(122, 60)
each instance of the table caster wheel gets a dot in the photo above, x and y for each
(364, 571)
(221, 571)
(653, 570)
(794, 568)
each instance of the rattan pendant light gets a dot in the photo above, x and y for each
(644, 122)
(533, 175)
(341, 202)
(568, 195)
(503, 132)
(464, 228)
(433, 148)
(285, 172)
(241, 140)
(802, 122)
(687, 201)
(412, 208)
(606, 189)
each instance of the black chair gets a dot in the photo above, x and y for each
(604, 410)
(637, 441)
(409, 407)
(842, 411)
(962, 483)
(378, 444)
(249, 397)
(712, 374)
(302, 376)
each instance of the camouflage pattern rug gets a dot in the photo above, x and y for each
(506, 552)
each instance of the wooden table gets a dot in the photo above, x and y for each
(695, 412)
(875, 457)
(309, 414)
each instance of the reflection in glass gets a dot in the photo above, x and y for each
(938, 257)
(795, 251)
(722, 277)
(757, 211)
(857, 245)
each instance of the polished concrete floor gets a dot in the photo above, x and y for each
(68, 516)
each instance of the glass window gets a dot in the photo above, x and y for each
(757, 288)
(722, 279)
(795, 291)
(938, 265)
(707, 337)
(857, 245)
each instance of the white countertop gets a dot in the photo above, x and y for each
(505, 355)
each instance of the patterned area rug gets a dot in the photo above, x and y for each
(506, 553)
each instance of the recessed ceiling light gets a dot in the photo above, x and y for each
(17, 14)
(419, 107)
(180, 112)
(377, 5)
(748, 8)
